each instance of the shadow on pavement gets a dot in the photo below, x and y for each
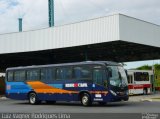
(112, 104)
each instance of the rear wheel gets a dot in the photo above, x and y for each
(86, 100)
(33, 99)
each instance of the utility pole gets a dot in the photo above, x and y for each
(153, 79)
(51, 12)
(20, 24)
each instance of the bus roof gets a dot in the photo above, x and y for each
(66, 64)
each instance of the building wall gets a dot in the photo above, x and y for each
(105, 29)
(88, 32)
(139, 31)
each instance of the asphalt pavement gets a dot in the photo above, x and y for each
(13, 106)
(150, 97)
(136, 104)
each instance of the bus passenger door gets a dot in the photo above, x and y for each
(99, 84)
(130, 83)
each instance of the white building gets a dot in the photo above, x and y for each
(117, 37)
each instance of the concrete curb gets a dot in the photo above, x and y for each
(3, 98)
(151, 100)
(146, 100)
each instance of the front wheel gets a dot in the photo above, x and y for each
(86, 100)
(33, 99)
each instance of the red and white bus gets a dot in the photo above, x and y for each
(139, 81)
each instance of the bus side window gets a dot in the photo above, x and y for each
(33, 74)
(130, 79)
(47, 74)
(98, 77)
(141, 76)
(77, 74)
(10, 76)
(63, 73)
(81, 73)
(19, 76)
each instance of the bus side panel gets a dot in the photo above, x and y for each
(99, 93)
(78, 87)
(55, 97)
(52, 91)
(17, 90)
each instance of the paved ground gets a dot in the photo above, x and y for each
(152, 97)
(136, 104)
(135, 108)
(7, 105)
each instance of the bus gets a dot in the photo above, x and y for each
(140, 81)
(92, 81)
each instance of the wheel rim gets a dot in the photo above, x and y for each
(32, 98)
(85, 100)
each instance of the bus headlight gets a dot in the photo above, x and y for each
(127, 93)
(113, 92)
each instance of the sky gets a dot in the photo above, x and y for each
(35, 14)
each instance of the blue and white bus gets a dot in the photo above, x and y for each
(90, 81)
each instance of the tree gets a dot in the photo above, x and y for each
(144, 67)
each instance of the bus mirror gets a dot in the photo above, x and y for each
(126, 72)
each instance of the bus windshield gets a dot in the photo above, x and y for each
(117, 76)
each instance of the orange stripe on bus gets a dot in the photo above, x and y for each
(40, 87)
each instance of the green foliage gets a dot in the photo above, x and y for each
(156, 72)
(144, 67)
(147, 67)
(157, 66)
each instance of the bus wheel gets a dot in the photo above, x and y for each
(102, 103)
(33, 99)
(145, 91)
(86, 100)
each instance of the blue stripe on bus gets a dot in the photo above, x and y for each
(56, 85)
(17, 87)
